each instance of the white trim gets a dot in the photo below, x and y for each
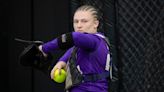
(100, 35)
(107, 67)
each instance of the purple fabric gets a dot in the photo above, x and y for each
(85, 41)
(66, 55)
(50, 46)
(91, 57)
(99, 86)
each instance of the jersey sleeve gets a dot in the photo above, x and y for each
(66, 55)
(82, 40)
(85, 40)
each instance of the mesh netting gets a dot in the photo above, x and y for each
(141, 45)
(139, 29)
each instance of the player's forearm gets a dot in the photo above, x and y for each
(66, 55)
(50, 46)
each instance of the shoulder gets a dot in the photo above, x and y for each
(99, 35)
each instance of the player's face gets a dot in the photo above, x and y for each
(84, 21)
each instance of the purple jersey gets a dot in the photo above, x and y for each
(91, 58)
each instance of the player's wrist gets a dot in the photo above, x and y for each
(40, 48)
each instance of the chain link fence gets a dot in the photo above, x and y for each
(141, 45)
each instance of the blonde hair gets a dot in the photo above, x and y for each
(90, 8)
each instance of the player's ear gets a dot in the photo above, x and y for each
(96, 23)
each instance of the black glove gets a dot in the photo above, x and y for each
(31, 56)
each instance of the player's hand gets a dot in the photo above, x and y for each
(60, 65)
